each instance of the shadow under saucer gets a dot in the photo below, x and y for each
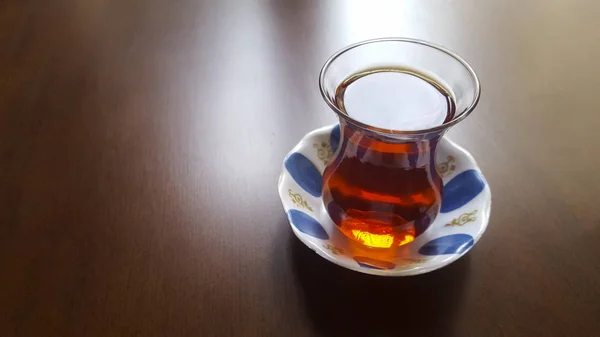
(341, 302)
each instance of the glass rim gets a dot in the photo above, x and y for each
(440, 127)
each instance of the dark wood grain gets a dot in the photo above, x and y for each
(141, 141)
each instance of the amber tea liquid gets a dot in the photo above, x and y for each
(383, 191)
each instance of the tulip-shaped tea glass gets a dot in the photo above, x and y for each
(395, 99)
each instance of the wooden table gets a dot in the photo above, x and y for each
(141, 141)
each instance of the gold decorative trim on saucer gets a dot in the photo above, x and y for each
(334, 250)
(324, 151)
(410, 262)
(447, 167)
(298, 200)
(463, 219)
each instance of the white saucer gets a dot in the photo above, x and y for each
(463, 218)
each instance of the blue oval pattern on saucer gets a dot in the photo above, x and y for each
(307, 224)
(461, 189)
(304, 173)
